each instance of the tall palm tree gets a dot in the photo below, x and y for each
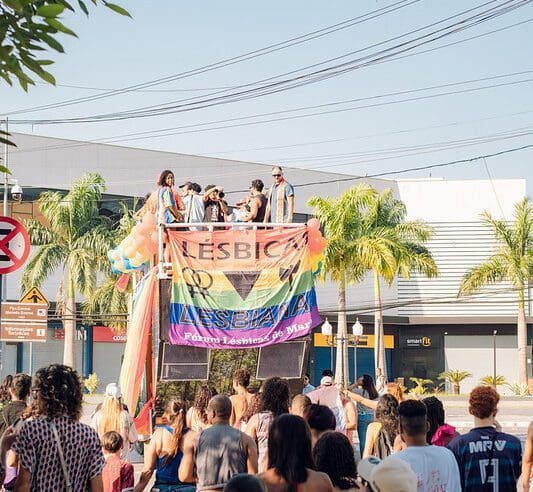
(341, 221)
(512, 261)
(390, 246)
(75, 238)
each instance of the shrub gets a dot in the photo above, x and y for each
(519, 389)
(91, 383)
(490, 381)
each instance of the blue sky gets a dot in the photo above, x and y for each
(167, 37)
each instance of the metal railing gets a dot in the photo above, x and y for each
(211, 226)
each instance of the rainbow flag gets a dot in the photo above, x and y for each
(241, 288)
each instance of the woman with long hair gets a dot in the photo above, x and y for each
(197, 414)
(164, 454)
(440, 433)
(366, 392)
(333, 455)
(290, 462)
(274, 401)
(381, 434)
(112, 416)
(55, 434)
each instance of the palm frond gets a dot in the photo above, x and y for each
(39, 234)
(42, 264)
(493, 270)
(108, 300)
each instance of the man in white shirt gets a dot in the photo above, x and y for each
(194, 203)
(435, 467)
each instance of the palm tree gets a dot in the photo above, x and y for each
(75, 238)
(390, 246)
(341, 220)
(512, 261)
(455, 378)
(106, 303)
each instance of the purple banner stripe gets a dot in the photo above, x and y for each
(287, 329)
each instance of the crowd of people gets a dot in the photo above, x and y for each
(190, 204)
(263, 441)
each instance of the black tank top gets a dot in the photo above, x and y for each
(262, 208)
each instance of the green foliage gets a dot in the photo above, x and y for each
(30, 27)
(519, 389)
(422, 386)
(490, 381)
(223, 364)
(455, 376)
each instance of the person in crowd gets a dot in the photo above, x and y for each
(117, 474)
(251, 410)
(290, 462)
(5, 397)
(19, 391)
(440, 433)
(148, 205)
(169, 203)
(350, 415)
(488, 459)
(257, 202)
(280, 200)
(244, 482)
(366, 390)
(333, 455)
(220, 452)
(527, 461)
(330, 395)
(113, 417)
(215, 209)
(321, 420)
(381, 382)
(242, 398)
(300, 405)
(396, 390)
(381, 434)
(390, 475)
(164, 454)
(197, 419)
(54, 431)
(274, 401)
(193, 203)
(434, 466)
(308, 387)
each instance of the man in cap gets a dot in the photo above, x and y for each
(390, 475)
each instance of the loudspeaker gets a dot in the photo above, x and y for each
(285, 360)
(182, 363)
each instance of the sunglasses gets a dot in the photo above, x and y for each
(276, 175)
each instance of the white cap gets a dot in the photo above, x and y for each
(390, 475)
(326, 381)
(112, 389)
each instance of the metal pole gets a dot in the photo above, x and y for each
(31, 360)
(355, 361)
(494, 333)
(331, 355)
(3, 278)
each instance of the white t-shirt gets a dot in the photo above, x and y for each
(435, 467)
(194, 208)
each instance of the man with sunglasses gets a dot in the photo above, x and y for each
(280, 203)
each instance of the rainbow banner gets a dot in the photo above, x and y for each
(243, 288)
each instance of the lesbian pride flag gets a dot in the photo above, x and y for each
(241, 288)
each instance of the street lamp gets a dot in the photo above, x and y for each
(357, 330)
(327, 331)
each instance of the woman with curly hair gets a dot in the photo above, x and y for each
(197, 415)
(290, 462)
(165, 451)
(273, 402)
(333, 455)
(54, 435)
(381, 434)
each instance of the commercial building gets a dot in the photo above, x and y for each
(427, 331)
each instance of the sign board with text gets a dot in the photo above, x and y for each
(106, 334)
(17, 311)
(23, 332)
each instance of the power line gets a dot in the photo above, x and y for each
(235, 59)
(306, 78)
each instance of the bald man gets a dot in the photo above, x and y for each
(280, 200)
(221, 451)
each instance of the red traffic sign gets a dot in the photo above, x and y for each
(14, 245)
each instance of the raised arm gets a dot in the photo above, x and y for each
(362, 400)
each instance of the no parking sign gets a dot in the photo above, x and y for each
(14, 245)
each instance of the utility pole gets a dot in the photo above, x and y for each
(3, 285)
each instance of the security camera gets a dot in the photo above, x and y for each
(16, 193)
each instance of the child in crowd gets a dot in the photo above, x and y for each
(117, 475)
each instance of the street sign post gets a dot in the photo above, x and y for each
(35, 300)
(14, 245)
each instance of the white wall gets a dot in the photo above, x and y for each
(475, 354)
